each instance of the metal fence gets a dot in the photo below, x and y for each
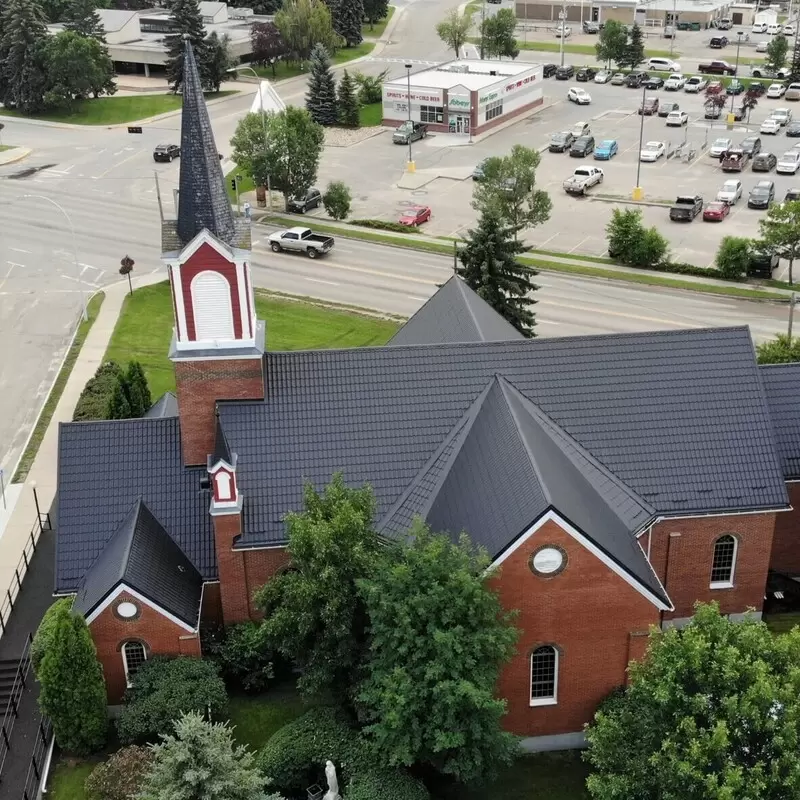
(12, 709)
(36, 769)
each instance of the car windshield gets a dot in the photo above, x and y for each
(406, 126)
(716, 206)
(760, 190)
(583, 140)
(558, 138)
(721, 143)
(729, 186)
(607, 143)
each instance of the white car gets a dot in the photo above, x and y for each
(675, 83)
(771, 126)
(677, 119)
(773, 29)
(788, 30)
(652, 151)
(663, 65)
(563, 30)
(775, 91)
(789, 163)
(581, 129)
(781, 116)
(759, 27)
(730, 192)
(793, 92)
(695, 84)
(719, 147)
(761, 47)
(604, 76)
(579, 96)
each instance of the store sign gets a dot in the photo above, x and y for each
(458, 102)
(417, 95)
(488, 97)
(517, 85)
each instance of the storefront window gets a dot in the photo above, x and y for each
(431, 113)
(494, 109)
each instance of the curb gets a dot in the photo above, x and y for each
(24, 152)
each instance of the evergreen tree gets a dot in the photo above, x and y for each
(73, 693)
(321, 96)
(22, 56)
(119, 406)
(81, 16)
(137, 390)
(491, 268)
(188, 21)
(633, 54)
(375, 10)
(348, 16)
(218, 61)
(348, 102)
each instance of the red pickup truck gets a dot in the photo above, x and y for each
(717, 68)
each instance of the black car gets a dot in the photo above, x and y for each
(751, 145)
(665, 109)
(548, 70)
(166, 152)
(762, 264)
(761, 195)
(561, 142)
(718, 42)
(565, 73)
(654, 82)
(764, 162)
(756, 88)
(636, 79)
(582, 147)
(585, 74)
(305, 202)
(793, 129)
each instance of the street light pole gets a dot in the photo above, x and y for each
(74, 246)
(674, 27)
(637, 192)
(483, 20)
(562, 17)
(739, 35)
(410, 124)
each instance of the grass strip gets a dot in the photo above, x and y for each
(376, 31)
(49, 408)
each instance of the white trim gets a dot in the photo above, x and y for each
(205, 237)
(729, 583)
(667, 518)
(649, 541)
(721, 585)
(553, 516)
(180, 307)
(182, 348)
(139, 596)
(128, 681)
(544, 701)
(246, 332)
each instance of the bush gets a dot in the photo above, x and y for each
(244, 658)
(370, 87)
(386, 785)
(383, 225)
(780, 350)
(96, 396)
(43, 637)
(629, 242)
(733, 258)
(165, 688)
(337, 200)
(122, 776)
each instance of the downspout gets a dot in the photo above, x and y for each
(672, 535)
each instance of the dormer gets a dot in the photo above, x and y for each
(225, 495)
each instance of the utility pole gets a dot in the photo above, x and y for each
(674, 24)
(483, 19)
(792, 302)
(562, 16)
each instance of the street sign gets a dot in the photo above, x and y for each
(134, 129)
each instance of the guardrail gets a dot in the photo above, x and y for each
(37, 769)
(12, 709)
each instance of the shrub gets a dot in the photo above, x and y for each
(337, 200)
(244, 658)
(629, 242)
(370, 87)
(95, 398)
(43, 638)
(386, 785)
(733, 258)
(122, 776)
(163, 689)
(383, 225)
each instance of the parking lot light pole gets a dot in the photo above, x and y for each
(410, 166)
(739, 35)
(638, 194)
(562, 19)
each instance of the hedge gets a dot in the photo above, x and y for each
(44, 633)
(384, 225)
(95, 398)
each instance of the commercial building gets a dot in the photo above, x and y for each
(655, 13)
(463, 95)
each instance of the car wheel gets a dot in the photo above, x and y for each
(276, 248)
(601, 179)
(312, 253)
(302, 209)
(170, 159)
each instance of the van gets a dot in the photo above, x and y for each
(773, 29)
(759, 27)
(663, 65)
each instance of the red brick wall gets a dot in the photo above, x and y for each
(200, 384)
(211, 611)
(683, 563)
(260, 566)
(589, 613)
(159, 635)
(786, 541)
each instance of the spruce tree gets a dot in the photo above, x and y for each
(633, 55)
(218, 60)
(491, 268)
(22, 58)
(348, 102)
(73, 692)
(82, 17)
(375, 10)
(347, 17)
(119, 406)
(321, 96)
(137, 390)
(188, 21)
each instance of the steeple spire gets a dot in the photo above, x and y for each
(203, 201)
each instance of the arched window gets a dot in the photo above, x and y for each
(723, 566)
(544, 676)
(133, 656)
(211, 303)
(224, 485)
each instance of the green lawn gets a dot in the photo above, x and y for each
(370, 115)
(4, 147)
(292, 69)
(145, 325)
(782, 623)
(376, 31)
(245, 184)
(256, 717)
(116, 110)
(68, 779)
(583, 49)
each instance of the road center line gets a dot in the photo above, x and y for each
(317, 280)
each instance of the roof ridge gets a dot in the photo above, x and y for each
(462, 285)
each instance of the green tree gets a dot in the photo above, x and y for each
(430, 600)
(188, 21)
(313, 614)
(23, 64)
(54, 10)
(633, 54)
(201, 760)
(375, 10)
(629, 242)
(78, 67)
(454, 29)
(337, 200)
(370, 87)
(96, 395)
(711, 714)
(347, 102)
(81, 16)
(733, 257)
(612, 42)
(43, 639)
(777, 53)
(780, 231)
(119, 406)
(347, 17)
(321, 95)
(137, 390)
(497, 34)
(292, 152)
(244, 657)
(491, 267)
(780, 350)
(267, 43)
(218, 60)
(508, 190)
(72, 691)
(303, 24)
(121, 776)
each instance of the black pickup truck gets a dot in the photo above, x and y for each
(686, 208)
(717, 68)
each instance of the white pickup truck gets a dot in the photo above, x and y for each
(303, 240)
(582, 179)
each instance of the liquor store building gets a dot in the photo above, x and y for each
(463, 96)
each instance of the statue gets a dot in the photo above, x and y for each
(333, 782)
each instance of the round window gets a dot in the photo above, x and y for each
(548, 560)
(127, 610)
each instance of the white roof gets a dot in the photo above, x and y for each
(113, 19)
(469, 73)
(269, 97)
(701, 6)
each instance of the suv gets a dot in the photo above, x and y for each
(166, 152)
(636, 79)
(565, 73)
(762, 264)
(305, 202)
(582, 147)
(663, 64)
(409, 132)
(591, 27)
(548, 70)
(718, 42)
(649, 106)
(585, 74)
(761, 195)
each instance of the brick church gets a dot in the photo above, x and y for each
(615, 480)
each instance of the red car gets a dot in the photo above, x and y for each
(415, 216)
(716, 212)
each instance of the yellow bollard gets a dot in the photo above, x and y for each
(411, 167)
(638, 193)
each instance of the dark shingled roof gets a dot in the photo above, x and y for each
(103, 468)
(165, 406)
(455, 314)
(202, 199)
(141, 555)
(782, 385)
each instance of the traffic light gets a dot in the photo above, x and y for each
(233, 184)
(134, 129)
